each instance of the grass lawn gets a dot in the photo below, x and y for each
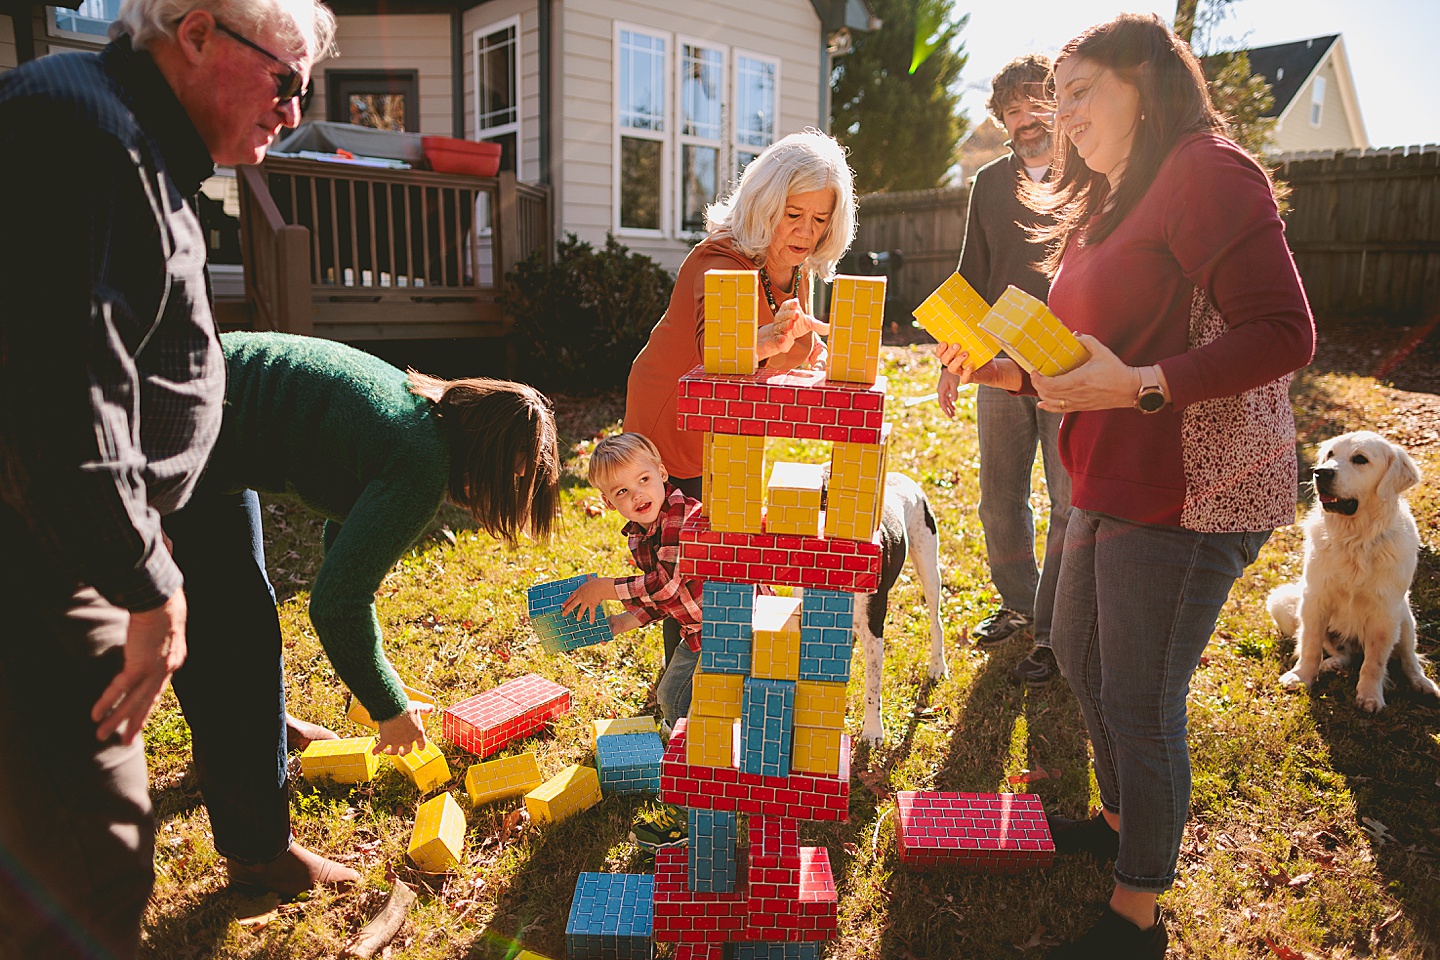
(1315, 828)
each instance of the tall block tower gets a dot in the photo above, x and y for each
(765, 736)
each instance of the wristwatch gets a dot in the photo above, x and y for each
(1151, 398)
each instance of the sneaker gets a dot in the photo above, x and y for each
(1001, 626)
(663, 826)
(1115, 938)
(1037, 669)
(1093, 836)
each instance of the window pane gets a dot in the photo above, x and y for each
(642, 81)
(640, 183)
(700, 92)
(701, 169)
(381, 111)
(497, 78)
(92, 17)
(754, 102)
(743, 158)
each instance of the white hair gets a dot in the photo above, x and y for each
(306, 24)
(800, 163)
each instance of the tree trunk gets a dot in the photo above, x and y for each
(1185, 18)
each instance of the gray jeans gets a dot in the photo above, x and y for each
(674, 690)
(1134, 610)
(1010, 428)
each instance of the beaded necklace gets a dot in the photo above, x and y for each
(770, 297)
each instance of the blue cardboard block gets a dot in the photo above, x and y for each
(726, 610)
(611, 917)
(767, 727)
(826, 623)
(557, 632)
(629, 762)
(770, 950)
(711, 851)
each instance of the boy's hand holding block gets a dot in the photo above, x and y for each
(557, 631)
(1033, 336)
(952, 314)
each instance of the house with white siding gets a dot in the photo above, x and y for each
(634, 113)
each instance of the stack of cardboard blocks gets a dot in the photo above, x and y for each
(1018, 323)
(628, 754)
(557, 631)
(765, 733)
(990, 832)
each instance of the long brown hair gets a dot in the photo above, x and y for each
(1174, 103)
(496, 430)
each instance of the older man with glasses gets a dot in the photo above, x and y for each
(110, 388)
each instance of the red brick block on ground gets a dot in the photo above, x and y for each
(512, 711)
(981, 832)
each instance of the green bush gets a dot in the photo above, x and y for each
(580, 321)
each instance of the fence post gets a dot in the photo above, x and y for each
(508, 227)
(293, 304)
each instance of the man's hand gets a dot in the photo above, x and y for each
(154, 649)
(399, 735)
(948, 389)
(588, 596)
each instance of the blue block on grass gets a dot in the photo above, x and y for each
(711, 850)
(558, 632)
(827, 620)
(767, 714)
(611, 917)
(726, 610)
(629, 762)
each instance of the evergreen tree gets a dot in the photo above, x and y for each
(895, 96)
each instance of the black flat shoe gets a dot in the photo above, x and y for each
(1093, 836)
(1115, 938)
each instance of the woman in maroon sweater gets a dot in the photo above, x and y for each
(1171, 265)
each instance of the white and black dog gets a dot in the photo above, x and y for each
(907, 528)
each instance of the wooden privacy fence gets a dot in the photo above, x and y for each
(358, 253)
(1364, 226)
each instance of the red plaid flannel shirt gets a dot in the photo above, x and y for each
(659, 591)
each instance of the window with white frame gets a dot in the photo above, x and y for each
(701, 131)
(90, 21)
(1317, 101)
(757, 80)
(497, 89)
(641, 106)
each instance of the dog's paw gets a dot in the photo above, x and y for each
(874, 736)
(939, 670)
(1370, 702)
(1338, 662)
(1294, 680)
(1426, 685)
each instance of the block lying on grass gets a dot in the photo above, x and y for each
(571, 790)
(438, 842)
(629, 762)
(517, 708)
(348, 760)
(506, 777)
(990, 832)
(426, 768)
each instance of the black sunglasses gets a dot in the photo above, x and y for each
(288, 86)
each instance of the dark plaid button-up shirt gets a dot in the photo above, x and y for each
(111, 377)
(660, 591)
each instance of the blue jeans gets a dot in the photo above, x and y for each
(675, 689)
(1009, 429)
(1134, 609)
(232, 686)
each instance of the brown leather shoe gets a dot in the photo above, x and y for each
(300, 733)
(293, 872)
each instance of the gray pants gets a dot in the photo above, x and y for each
(1010, 428)
(76, 829)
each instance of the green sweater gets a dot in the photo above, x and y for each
(339, 429)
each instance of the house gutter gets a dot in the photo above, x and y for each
(545, 28)
(457, 74)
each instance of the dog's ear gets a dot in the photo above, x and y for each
(1402, 473)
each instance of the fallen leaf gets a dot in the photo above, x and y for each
(1029, 776)
(1300, 881)
(1282, 951)
(1039, 937)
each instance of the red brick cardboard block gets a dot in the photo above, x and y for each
(686, 916)
(982, 832)
(770, 403)
(798, 796)
(820, 562)
(516, 709)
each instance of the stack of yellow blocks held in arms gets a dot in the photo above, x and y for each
(1018, 323)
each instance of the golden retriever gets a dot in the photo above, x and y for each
(1361, 545)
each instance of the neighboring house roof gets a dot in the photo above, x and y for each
(1287, 67)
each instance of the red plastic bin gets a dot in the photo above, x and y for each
(449, 155)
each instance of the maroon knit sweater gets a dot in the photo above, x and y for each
(1208, 220)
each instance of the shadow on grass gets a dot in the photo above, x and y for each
(197, 931)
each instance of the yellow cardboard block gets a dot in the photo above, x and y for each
(793, 498)
(425, 768)
(857, 316)
(775, 629)
(1033, 336)
(710, 741)
(506, 777)
(360, 715)
(857, 488)
(819, 703)
(619, 725)
(571, 790)
(816, 750)
(952, 314)
(438, 842)
(345, 761)
(732, 312)
(737, 477)
(716, 695)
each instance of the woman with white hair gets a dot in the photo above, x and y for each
(792, 217)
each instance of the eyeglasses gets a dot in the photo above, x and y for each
(287, 86)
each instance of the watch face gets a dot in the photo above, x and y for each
(1151, 402)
